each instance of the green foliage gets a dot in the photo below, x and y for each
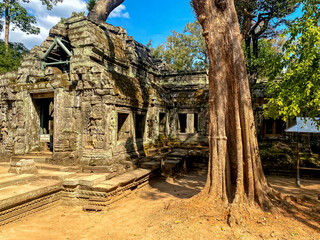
(187, 51)
(297, 91)
(184, 51)
(90, 4)
(63, 20)
(10, 60)
(261, 19)
(18, 15)
(48, 3)
(268, 58)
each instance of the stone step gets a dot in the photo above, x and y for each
(38, 159)
(166, 149)
(178, 154)
(121, 180)
(172, 166)
(57, 175)
(174, 158)
(172, 161)
(58, 168)
(4, 164)
(95, 169)
(150, 165)
(17, 194)
(4, 168)
(92, 180)
(8, 179)
(40, 153)
(153, 151)
(86, 179)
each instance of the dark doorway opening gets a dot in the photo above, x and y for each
(123, 126)
(274, 127)
(183, 122)
(196, 122)
(140, 125)
(45, 109)
(162, 123)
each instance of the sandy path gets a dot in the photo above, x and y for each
(144, 215)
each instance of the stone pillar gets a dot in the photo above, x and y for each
(190, 123)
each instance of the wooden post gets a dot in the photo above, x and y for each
(298, 162)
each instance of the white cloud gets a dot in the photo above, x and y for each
(119, 12)
(47, 19)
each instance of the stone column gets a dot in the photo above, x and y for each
(190, 123)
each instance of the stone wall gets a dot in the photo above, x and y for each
(111, 99)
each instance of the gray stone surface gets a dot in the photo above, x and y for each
(23, 166)
(112, 104)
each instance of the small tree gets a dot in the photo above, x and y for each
(15, 14)
(90, 4)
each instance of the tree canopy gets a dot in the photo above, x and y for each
(184, 51)
(187, 51)
(10, 59)
(261, 19)
(296, 90)
(15, 14)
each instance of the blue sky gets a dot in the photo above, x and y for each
(154, 19)
(143, 19)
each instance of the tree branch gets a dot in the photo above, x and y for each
(102, 9)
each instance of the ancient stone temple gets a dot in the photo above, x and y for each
(92, 95)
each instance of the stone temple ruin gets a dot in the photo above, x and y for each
(93, 96)
(91, 115)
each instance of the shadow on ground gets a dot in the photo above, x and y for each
(181, 186)
(304, 205)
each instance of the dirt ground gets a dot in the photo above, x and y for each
(163, 210)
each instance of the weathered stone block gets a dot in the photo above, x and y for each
(24, 166)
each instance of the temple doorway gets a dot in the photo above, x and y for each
(45, 110)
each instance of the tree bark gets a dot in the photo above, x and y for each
(7, 25)
(235, 172)
(102, 9)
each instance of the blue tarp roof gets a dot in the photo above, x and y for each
(304, 125)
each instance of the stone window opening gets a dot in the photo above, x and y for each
(273, 128)
(162, 122)
(140, 123)
(123, 129)
(182, 122)
(196, 122)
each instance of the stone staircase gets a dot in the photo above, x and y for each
(97, 187)
(175, 162)
(39, 157)
(170, 163)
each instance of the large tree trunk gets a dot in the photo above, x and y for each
(102, 9)
(235, 173)
(7, 25)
